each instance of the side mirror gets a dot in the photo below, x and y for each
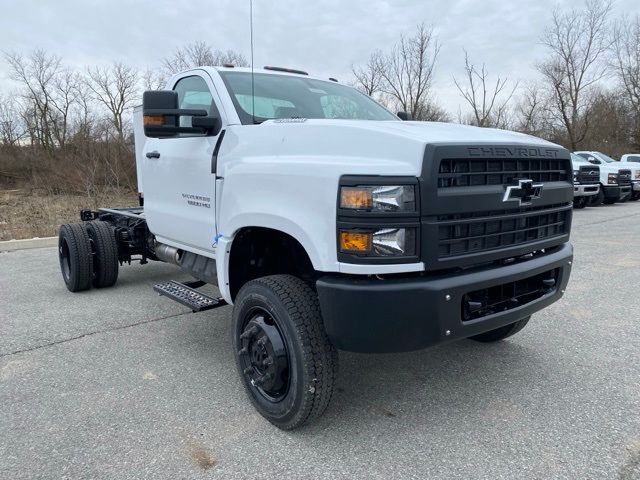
(404, 116)
(593, 160)
(161, 116)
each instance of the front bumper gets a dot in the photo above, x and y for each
(611, 191)
(580, 190)
(625, 191)
(636, 186)
(403, 314)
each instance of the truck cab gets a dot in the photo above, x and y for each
(330, 223)
(615, 179)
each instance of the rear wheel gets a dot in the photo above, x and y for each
(287, 364)
(105, 254)
(502, 332)
(596, 200)
(74, 253)
(579, 202)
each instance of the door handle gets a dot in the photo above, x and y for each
(154, 154)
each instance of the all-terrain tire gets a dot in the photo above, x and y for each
(596, 200)
(502, 332)
(291, 306)
(74, 252)
(580, 202)
(105, 254)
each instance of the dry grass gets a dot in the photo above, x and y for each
(28, 214)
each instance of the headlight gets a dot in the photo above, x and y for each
(612, 178)
(637, 175)
(379, 242)
(379, 198)
(575, 175)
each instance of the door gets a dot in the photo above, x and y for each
(179, 188)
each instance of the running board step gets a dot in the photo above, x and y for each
(190, 297)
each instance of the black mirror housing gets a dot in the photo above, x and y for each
(161, 116)
(404, 116)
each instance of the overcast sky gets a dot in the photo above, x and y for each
(324, 37)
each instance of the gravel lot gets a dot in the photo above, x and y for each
(121, 383)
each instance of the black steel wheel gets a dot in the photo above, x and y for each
(74, 253)
(287, 364)
(502, 332)
(580, 202)
(104, 250)
(596, 200)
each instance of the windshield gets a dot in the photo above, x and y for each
(604, 157)
(285, 96)
(575, 158)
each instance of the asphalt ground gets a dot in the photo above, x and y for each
(121, 383)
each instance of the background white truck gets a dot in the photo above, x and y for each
(615, 179)
(586, 181)
(632, 162)
(330, 224)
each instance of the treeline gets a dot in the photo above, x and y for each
(69, 130)
(586, 94)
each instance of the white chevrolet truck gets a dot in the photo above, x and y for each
(615, 178)
(328, 223)
(586, 181)
(632, 162)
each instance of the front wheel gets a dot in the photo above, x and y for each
(580, 202)
(502, 332)
(635, 196)
(597, 199)
(287, 364)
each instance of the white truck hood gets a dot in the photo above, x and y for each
(361, 146)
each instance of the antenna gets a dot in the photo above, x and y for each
(253, 98)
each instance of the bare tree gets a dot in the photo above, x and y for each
(37, 75)
(199, 54)
(578, 42)
(11, 128)
(530, 111)
(626, 43)
(407, 72)
(369, 79)
(488, 100)
(152, 79)
(116, 89)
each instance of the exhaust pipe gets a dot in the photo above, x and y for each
(168, 254)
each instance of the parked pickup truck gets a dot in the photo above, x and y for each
(329, 223)
(586, 181)
(632, 162)
(615, 180)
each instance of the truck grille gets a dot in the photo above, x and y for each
(588, 175)
(474, 172)
(461, 234)
(624, 177)
(468, 219)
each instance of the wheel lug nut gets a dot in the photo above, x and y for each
(267, 361)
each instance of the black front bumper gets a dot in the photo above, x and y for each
(611, 191)
(410, 313)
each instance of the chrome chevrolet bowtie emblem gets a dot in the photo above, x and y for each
(523, 193)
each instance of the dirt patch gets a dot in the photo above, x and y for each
(202, 456)
(29, 214)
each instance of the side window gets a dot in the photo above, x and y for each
(193, 93)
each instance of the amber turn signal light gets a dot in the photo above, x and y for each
(356, 197)
(154, 120)
(355, 242)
